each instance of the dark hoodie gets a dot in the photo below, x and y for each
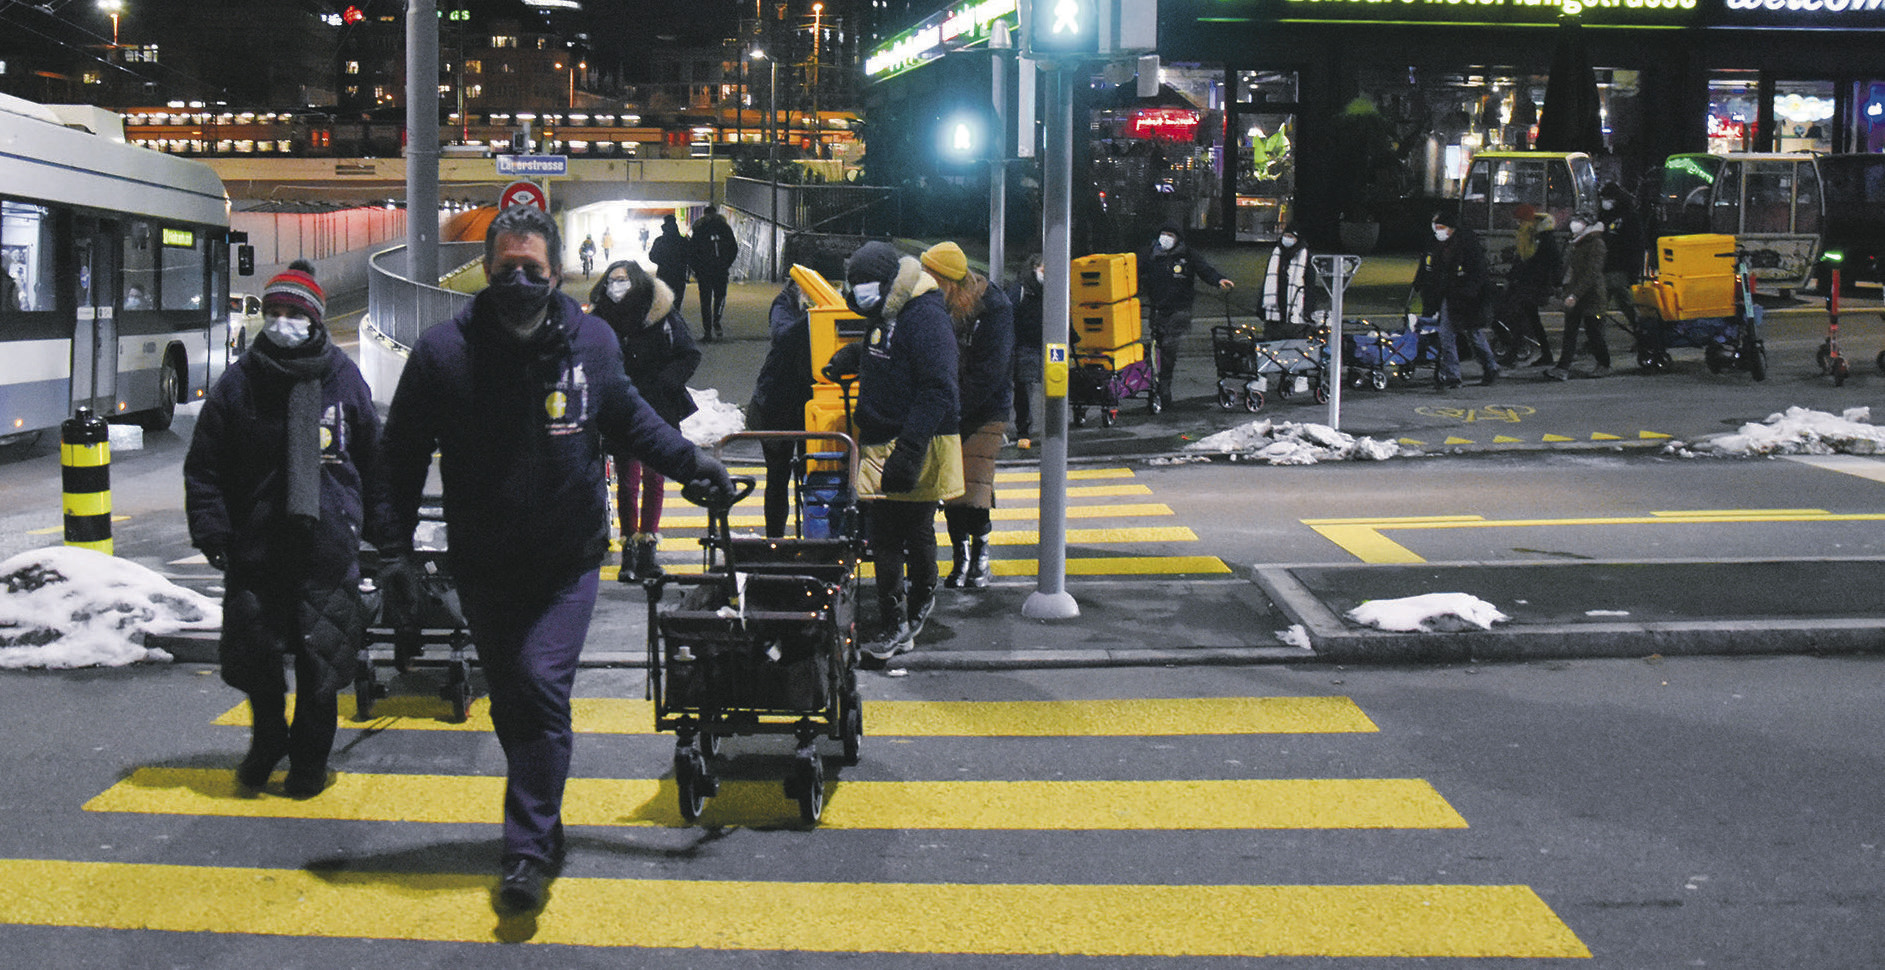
(1166, 275)
(670, 256)
(519, 428)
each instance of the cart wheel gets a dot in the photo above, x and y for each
(1226, 398)
(1757, 361)
(1841, 370)
(1824, 357)
(1322, 394)
(1282, 387)
(1378, 380)
(808, 785)
(1645, 359)
(1154, 400)
(457, 690)
(1106, 417)
(1664, 361)
(851, 727)
(690, 777)
(1716, 358)
(1253, 401)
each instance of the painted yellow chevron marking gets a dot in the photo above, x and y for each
(1556, 438)
(1601, 436)
(1362, 538)
(1505, 439)
(1360, 803)
(1650, 435)
(1410, 441)
(1455, 440)
(951, 918)
(1150, 717)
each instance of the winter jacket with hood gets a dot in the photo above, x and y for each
(519, 427)
(712, 247)
(658, 352)
(669, 253)
(985, 349)
(1027, 297)
(1454, 272)
(906, 365)
(1533, 276)
(1584, 270)
(1165, 275)
(784, 384)
(235, 493)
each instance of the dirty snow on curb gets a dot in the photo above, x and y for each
(62, 606)
(1795, 431)
(715, 420)
(1431, 612)
(1293, 443)
(1295, 636)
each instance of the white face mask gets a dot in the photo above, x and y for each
(1166, 240)
(617, 290)
(868, 295)
(1610, 203)
(288, 330)
(1289, 241)
(1040, 275)
(1578, 226)
(1442, 233)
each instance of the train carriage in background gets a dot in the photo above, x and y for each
(116, 268)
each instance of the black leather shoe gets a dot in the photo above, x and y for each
(521, 889)
(259, 763)
(1490, 378)
(305, 783)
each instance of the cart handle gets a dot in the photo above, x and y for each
(714, 500)
(846, 443)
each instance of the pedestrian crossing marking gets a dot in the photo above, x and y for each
(1074, 474)
(1362, 537)
(1555, 438)
(1651, 435)
(757, 520)
(1148, 717)
(1076, 566)
(1506, 439)
(1017, 537)
(1454, 440)
(1601, 436)
(1034, 805)
(1077, 491)
(948, 918)
(1861, 467)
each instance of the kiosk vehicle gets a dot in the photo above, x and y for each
(1497, 183)
(116, 272)
(1770, 203)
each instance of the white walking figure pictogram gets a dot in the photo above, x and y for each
(1066, 17)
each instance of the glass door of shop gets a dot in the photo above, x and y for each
(1751, 111)
(1263, 125)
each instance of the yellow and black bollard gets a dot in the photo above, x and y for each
(85, 468)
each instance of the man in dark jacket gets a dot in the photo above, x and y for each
(780, 394)
(669, 254)
(1166, 271)
(282, 477)
(515, 395)
(711, 253)
(1027, 295)
(1625, 246)
(1453, 281)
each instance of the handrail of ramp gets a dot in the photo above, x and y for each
(400, 309)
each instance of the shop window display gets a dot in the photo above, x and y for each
(1264, 125)
(1734, 101)
(1803, 116)
(1161, 158)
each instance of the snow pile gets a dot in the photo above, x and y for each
(1295, 636)
(1797, 431)
(715, 420)
(1293, 443)
(62, 606)
(1431, 612)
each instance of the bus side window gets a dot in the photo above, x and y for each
(1725, 216)
(27, 251)
(140, 264)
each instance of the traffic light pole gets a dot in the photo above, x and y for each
(422, 143)
(1050, 599)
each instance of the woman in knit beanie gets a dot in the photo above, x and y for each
(281, 481)
(984, 327)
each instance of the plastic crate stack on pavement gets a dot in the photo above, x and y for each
(1109, 344)
(832, 326)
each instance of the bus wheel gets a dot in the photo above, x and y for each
(169, 388)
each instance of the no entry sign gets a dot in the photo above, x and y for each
(523, 193)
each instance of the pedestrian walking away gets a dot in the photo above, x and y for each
(1583, 295)
(516, 394)
(1626, 247)
(1534, 277)
(660, 357)
(1453, 283)
(670, 256)
(906, 417)
(984, 330)
(1289, 288)
(1026, 294)
(712, 251)
(1166, 272)
(780, 393)
(608, 244)
(282, 480)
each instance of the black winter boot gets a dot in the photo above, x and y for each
(977, 577)
(922, 603)
(627, 573)
(645, 565)
(894, 636)
(963, 565)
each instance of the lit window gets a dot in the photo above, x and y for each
(474, 90)
(353, 67)
(503, 40)
(474, 67)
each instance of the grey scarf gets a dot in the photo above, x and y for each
(306, 367)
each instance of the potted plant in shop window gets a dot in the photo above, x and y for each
(1365, 171)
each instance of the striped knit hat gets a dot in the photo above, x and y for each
(295, 288)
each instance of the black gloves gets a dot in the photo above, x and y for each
(401, 589)
(218, 558)
(710, 474)
(901, 469)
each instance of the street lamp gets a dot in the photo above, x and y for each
(583, 65)
(818, 123)
(772, 153)
(114, 8)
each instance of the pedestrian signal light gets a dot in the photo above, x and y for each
(1061, 27)
(967, 135)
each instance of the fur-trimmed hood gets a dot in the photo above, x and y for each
(911, 282)
(663, 303)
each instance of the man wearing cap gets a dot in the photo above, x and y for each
(1165, 274)
(282, 477)
(1452, 282)
(516, 395)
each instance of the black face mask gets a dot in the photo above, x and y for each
(517, 296)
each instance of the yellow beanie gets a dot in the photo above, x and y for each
(946, 260)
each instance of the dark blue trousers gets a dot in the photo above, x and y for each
(528, 647)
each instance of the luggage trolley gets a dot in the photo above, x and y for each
(763, 641)
(437, 620)
(1246, 364)
(1702, 296)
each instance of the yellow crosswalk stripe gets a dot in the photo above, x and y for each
(1076, 491)
(1093, 920)
(1015, 537)
(1076, 566)
(1153, 717)
(1028, 513)
(1333, 803)
(1073, 474)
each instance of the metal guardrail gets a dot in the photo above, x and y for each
(401, 308)
(838, 208)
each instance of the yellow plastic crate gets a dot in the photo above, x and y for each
(1700, 254)
(832, 327)
(1118, 357)
(1105, 277)
(1693, 297)
(827, 415)
(1107, 324)
(815, 287)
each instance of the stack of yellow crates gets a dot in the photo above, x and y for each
(1106, 308)
(1694, 278)
(832, 326)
